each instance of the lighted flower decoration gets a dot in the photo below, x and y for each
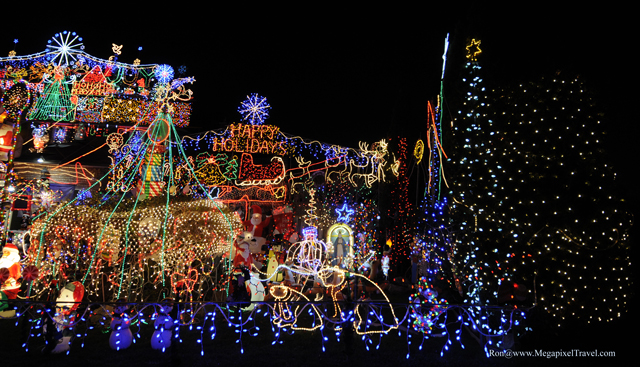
(254, 109)
(63, 46)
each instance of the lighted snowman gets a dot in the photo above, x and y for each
(256, 291)
(121, 336)
(161, 338)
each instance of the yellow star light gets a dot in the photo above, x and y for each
(473, 50)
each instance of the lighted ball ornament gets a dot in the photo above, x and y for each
(164, 73)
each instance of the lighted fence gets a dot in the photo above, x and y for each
(63, 327)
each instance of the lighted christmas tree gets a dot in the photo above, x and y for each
(534, 200)
(557, 199)
(481, 243)
(55, 104)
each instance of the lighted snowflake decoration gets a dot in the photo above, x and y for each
(164, 73)
(254, 109)
(63, 46)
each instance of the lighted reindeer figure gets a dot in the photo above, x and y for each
(373, 163)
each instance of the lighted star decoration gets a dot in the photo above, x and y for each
(254, 109)
(473, 50)
(63, 46)
(344, 213)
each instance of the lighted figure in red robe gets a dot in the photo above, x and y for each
(242, 263)
(284, 224)
(10, 261)
(242, 246)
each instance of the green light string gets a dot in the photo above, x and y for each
(122, 197)
(135, 205)
(166, 208)
(444, 62)
(231, 231)
(44, 230)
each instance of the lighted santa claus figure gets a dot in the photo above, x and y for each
(59, 330)
(245, 282)
(10, 271)
(242, 255)
(257, 226)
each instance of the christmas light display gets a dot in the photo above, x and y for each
(71, 85)
(176, 233)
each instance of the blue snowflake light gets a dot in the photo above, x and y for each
(254, 109)
(164, 73)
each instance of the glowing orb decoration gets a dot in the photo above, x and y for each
(159, 130)
(164, 73)
(63, 46)
(254, 109)
(15, 100)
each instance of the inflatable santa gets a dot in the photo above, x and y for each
(257, 226)
(243, 254)
(10, 271)
(245, 284)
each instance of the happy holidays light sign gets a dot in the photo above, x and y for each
(246, 138)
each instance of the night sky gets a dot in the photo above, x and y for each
(349, 74)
